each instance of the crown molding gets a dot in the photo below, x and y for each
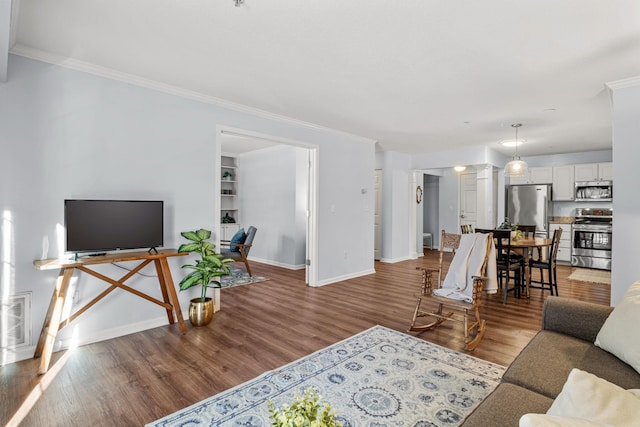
(624, 83)
(108, 73)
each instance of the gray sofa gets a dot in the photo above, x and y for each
(537, 375)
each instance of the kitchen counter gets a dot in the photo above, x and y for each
(562, 220)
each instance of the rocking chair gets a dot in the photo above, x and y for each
(474, 258)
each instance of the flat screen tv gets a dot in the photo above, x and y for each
(106, 225)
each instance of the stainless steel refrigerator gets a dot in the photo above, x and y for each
(529, 205)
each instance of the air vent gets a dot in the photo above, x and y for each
(15, 320)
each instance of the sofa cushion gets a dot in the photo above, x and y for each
(584, 395)
(574, 318)
(544, 420)
(614, 336)
(505, 405)
(544, 364)
(239, 237)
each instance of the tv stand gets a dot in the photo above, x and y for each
(53, 321)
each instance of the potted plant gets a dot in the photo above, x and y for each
(508, 225)
(206, 272)
(305, 411)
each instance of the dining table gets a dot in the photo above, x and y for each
(525, 246)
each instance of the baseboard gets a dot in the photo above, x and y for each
(12, 355)
(23, 353)
(278, 264)
(345, 277)
(394, 260)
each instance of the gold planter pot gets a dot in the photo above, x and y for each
(201, 312)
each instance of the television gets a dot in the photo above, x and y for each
(107, 225)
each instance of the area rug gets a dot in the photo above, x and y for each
(379, 377)
(239, 277)
(589, 275)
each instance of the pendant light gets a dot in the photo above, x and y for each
(516, 166)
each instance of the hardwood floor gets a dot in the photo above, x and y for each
(135, 379)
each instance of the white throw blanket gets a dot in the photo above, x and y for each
(466, 263)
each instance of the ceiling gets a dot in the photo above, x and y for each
(415, 75)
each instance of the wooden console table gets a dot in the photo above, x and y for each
(53, 323)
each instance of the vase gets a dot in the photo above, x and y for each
(201, 312)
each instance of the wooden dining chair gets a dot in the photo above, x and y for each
(548, 264)
(527, 230)
(507, 263)
(437, 306)
(466, 228)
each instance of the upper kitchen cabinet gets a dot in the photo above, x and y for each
(563, 183)
(539, 175)
(605, 171)
(594, 172)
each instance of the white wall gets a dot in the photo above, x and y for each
(395, 206)
(570, 158)
(625, 268)
(69, 134)
(273, 198)
(5, 36)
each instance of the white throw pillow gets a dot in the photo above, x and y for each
(542, 420)
(619, 334)
(591, 398)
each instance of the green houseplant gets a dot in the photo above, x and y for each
(304, 411)
(206, 272)
(508, 225)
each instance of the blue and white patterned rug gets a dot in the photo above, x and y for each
(238, 277)
(378, 378)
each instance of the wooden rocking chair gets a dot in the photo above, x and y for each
(474, 326)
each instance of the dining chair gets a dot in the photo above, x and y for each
(548, 264)
(466, 228)
(529, 231)
(506, 262)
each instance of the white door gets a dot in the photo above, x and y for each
(468, 199)
(377, 216)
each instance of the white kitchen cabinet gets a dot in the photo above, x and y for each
(519, 179)
(564, 248)
(594, 172)
(539, 175)
(586, 172)
(605, 171)
(563, 183)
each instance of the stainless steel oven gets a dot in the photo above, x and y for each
(592, 231)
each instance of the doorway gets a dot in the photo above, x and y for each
(468, 200)
(303, 176)
(431, 211)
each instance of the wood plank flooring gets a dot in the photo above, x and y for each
(135, 379)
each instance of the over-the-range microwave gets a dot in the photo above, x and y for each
(594, 191)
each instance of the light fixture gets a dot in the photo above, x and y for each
(239, 2)
(459, 168)
(516, 166)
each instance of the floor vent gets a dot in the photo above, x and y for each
(15, 320)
